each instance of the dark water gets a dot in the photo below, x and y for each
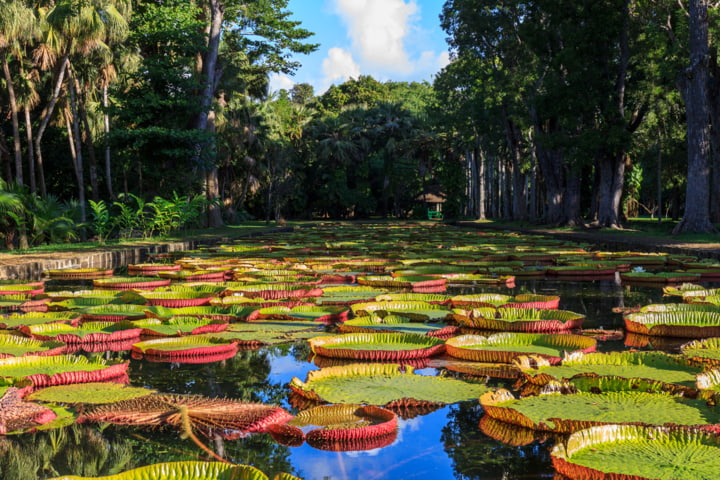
(444, 444)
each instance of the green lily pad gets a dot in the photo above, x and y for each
(637, 453)
(418, 311)
(61, 369)
(382, 384)
(394, 323)
(505, 347)
(182, 471)
(687, 324)
(93, 393)
(177, 326)
(567, 413)
(673, 369)
(16, 346)
(377, 346)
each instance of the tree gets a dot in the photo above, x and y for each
(697, 206)
(18, 25)
(262, 32)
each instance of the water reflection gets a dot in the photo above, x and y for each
(440, 444)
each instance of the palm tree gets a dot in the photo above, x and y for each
(17, 26)
(77, 27)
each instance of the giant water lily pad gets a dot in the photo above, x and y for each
(347, 427)
(395, 323)
(383, 384)
(61, 370)
(190, 349)
(687, 324)
(418, 311)
(268, 332)
(567, 413)
(16, 346)
(175, 299)
(348, 294)
(226, 417)
(673, 369)
(16, 414)
(505, 347)
(377, 346)
(178, 326)
(16, 320)
(530, 320)
(323, 314)
(706, 351)
(113, 313)
(88, 332)
(635, 452)
(91, 393)
(126, 283)
(186, 471)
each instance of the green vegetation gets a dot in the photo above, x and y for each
(159, 113)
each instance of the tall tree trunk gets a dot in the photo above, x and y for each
(47, 114)
(5, 158)
(612, 175)
(513, 137)
(88, 139)
(14, 118)
(697, 208)
(482, 186)
(78, 146)
(31, 152)
(209, 78)
(106, 126)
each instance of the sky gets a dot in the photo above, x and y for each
(398, 40)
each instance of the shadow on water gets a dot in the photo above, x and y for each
(446, 443)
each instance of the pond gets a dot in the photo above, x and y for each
(441, 443)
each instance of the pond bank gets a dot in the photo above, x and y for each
(30, 266)
(612, 241)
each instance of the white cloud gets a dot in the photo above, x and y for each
(339, 65)
(280, 82)
(443, 60)
(378, 28)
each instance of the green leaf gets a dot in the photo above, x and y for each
(182, 471)
(93, 393)
(381, 384)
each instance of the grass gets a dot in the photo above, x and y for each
(639, 228)
(228, 231)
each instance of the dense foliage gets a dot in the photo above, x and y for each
(552, 113)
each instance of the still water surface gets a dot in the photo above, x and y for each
(444, 444)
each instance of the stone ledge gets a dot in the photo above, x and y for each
(36, 265)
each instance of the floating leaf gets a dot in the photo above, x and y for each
(89, 332)
(638, 452)
(190, 349)
(61, 370)
(15, 346)
(567, 413)
(529, 320)
(505, 347)
(417, 311)
(673, 369)
(16, 320)
(185, 471)
(229, 418)
(347, 427)
(178, 326)
(16, 414)
(382, 384)
(686, 324)
(377, 346)
(92, 393)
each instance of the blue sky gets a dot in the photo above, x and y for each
(399, 40)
